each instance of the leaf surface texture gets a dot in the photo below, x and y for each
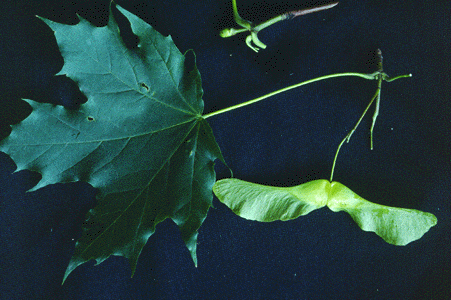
(140, 139)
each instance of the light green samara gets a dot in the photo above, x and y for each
(397, 226)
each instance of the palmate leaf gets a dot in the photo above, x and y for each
(397, 226)
(140, 139)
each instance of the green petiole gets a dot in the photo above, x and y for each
(371, 76)
(378, 75)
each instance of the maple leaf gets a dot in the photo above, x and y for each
(140, 139)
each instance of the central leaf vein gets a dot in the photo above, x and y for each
(140, 192)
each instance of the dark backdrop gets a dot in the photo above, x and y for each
(286, 140)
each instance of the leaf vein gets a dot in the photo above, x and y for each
(140, 192)
(135, 89)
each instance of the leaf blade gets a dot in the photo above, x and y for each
(140, 139)
(204, 151)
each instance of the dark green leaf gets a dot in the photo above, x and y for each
(140, 138)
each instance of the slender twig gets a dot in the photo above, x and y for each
(249, 27)
(380, 68)
(348, 136)
(293, 14)
(380, 76)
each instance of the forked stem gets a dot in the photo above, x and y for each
(381, 77)
(252, 38)
(348, 136)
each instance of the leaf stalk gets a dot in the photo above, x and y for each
(372, 76)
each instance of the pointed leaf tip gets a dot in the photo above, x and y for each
(149, 153)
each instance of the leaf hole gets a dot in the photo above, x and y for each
(190, 61)
(143, 85)
(90, 119)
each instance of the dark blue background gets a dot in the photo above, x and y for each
(285, 140)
